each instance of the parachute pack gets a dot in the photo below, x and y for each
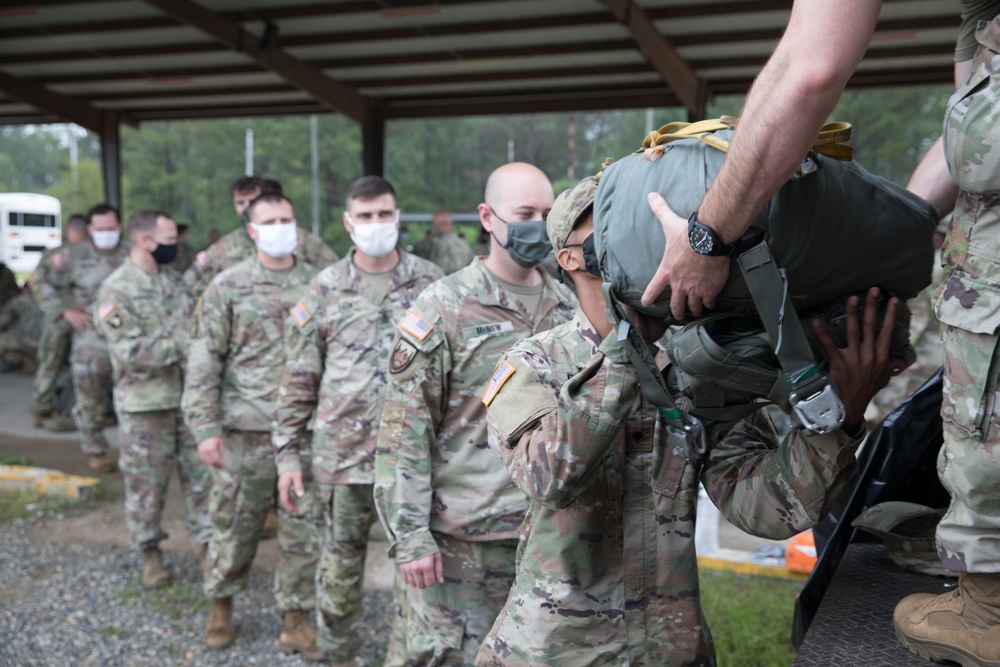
(832, 231)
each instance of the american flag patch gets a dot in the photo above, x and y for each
(300, 314)
(500, 376)
(416, 326)
(57, 260)
(105, 309)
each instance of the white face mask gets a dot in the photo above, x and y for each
(278, 240)
(375, 239)
(106, 240)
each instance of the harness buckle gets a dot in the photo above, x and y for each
(686, 430)
(820, 411)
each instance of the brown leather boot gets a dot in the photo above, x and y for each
(219, 626)
(962, 625)
(101, 463)
(40, 417)
(154, 573)
(298, 636)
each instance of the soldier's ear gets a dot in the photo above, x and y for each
(251, 231)
(570, 261)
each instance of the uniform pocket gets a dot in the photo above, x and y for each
(973, 162)
(969, 308)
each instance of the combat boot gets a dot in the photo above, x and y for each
(298, 636)
(101, 463)
(154, 572)
(219, 626)
(962, 625)
(59, 424)
(40, 418)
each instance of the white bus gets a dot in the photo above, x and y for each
(29, 225)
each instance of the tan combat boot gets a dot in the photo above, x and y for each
(40, 417)
(59, 424)
(154, 573)
(962, 625)
(101, 463)
(298, 636)
(219, 626)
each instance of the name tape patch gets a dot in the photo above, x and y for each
(503, 372)
(488, 329)
(416, 326)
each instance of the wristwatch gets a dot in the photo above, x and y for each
(704, 241)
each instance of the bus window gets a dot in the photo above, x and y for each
(37, 220)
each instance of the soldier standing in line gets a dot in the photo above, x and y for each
(443, 246)
(237, 245)
(607, 564)
(237, 357)
(338, 338)
(69, 289)
(8, 284)
(450, 511)
(20, 329)
(185, 253)
(142, 309)
(57, 334)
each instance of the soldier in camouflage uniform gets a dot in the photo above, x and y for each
(20, 328)
(236, 359)
(8, 285)
(69, 289)
(142, 309)
(964, 625)
(443, 246)
(338, 336)
(607, 570)
(185, 253)
(237, 245)
(450, 511)
(57, 334)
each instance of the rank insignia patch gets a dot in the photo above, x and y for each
(301, 314)
(402, 356)
(416, 326)
(503, 372)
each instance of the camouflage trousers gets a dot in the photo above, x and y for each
(92, 382)
(348, 517)
(968, 536)
(16, 346)
(151, 444)
(243, 492)
(53, 353)
(446, 623)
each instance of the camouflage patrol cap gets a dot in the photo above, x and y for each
(907, 530)
(568, 209)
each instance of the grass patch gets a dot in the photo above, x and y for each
(176, 600)
(750, 618)
(29, 503)
(17, 460)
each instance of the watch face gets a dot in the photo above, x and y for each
(701, 240)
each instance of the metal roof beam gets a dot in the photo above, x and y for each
(71, 109)
(678, 74)
(332, 93)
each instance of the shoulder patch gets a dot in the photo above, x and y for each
(402, 356)
(201, 258)
(105, 309)
(300, 314)
(416, 326)
(57, 260)
(503, 372)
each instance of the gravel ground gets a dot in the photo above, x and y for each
(64, 605)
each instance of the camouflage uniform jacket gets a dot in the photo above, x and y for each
(144, 318)
(433, 469)
(237, 349)
(70, 277)
(335, 378)
(450, 252)
(8, 284)
(22, 314)
(607, 571)
(237, 246)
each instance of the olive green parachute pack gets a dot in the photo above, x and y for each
(832, 231)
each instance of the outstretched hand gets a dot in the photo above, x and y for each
(695, 280)
(862, 368)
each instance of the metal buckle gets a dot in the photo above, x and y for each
(689, 430)
(821, 412)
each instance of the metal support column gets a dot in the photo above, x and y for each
(373, 145)
(111, 160)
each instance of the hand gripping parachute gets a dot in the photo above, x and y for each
(832, 231)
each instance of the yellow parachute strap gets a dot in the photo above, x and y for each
(830, 141)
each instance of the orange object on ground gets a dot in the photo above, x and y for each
(800, 553)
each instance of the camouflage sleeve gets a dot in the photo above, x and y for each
(317, 252)
(774, 490)
(412, 410)
(210, 329)
(298, 392)
(199, 274)
(132, 346)
(50, 274)
(554, 439)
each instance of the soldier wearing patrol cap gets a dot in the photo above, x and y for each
(142, 310)
(331, 392)
(450, 511)
(607, 562)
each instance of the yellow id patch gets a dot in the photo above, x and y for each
(105, 309)
(503, 372)
(416, 326)
(301, 314)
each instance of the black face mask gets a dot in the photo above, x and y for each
(590, 264)
(164, 254)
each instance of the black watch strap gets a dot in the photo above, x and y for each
(705, 241)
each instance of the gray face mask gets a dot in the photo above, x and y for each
(527, 241)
